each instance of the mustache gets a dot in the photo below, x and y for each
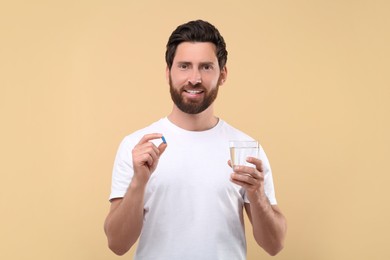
(194, 86)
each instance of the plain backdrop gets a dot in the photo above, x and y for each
(308, 79)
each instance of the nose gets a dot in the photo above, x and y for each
(195, 78)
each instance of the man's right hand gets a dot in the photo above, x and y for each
(123, 224)
(146, 156)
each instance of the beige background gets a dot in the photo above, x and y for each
(309, 79)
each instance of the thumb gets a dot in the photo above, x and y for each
(229, 163)
(162, 148)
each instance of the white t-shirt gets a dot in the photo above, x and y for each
(192, 209)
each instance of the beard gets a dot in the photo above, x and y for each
(192, 106)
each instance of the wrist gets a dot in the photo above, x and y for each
(137, 184)
(260, 201)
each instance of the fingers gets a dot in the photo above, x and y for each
(145, 152)
(248, 176)
(162, 147)
(247, 184)
(257, 162)
(146, 138)
(249, 170)
(246, 181)
(149, 137)
(251, 177)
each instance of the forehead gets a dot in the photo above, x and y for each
(195, 51)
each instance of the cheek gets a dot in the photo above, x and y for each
(178, 78)
(211, 78)
(211, 81)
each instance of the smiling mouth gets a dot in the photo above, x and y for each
(193, 92)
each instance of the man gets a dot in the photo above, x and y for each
(181, 197)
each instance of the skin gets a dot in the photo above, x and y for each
(193, 63)
(124, 222)
(268, 223)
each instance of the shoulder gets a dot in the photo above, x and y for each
(133, 138)
(233, 132)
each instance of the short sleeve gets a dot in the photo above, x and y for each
(123, 170)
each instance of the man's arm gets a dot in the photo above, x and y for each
(124, 221)
(269, 224)
(123, 224)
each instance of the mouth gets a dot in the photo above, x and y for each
(193, 92)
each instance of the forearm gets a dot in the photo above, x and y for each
(269, 225)
(124, 223)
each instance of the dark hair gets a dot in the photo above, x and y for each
(196, 31)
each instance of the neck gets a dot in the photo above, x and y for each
(193, 122)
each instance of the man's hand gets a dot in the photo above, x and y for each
(123, 224)
(250, 178)
(269, 224)
(146, 156)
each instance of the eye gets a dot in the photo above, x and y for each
(183, 66)
(208, 67)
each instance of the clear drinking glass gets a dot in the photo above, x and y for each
(241, 150)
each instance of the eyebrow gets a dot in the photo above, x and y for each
(183, 62)
(207, 63)
(201, 63)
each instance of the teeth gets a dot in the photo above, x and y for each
(193, 91)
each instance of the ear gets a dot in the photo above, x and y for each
(224, 73)
(167, 71)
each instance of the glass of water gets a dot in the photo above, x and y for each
(241, 150)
